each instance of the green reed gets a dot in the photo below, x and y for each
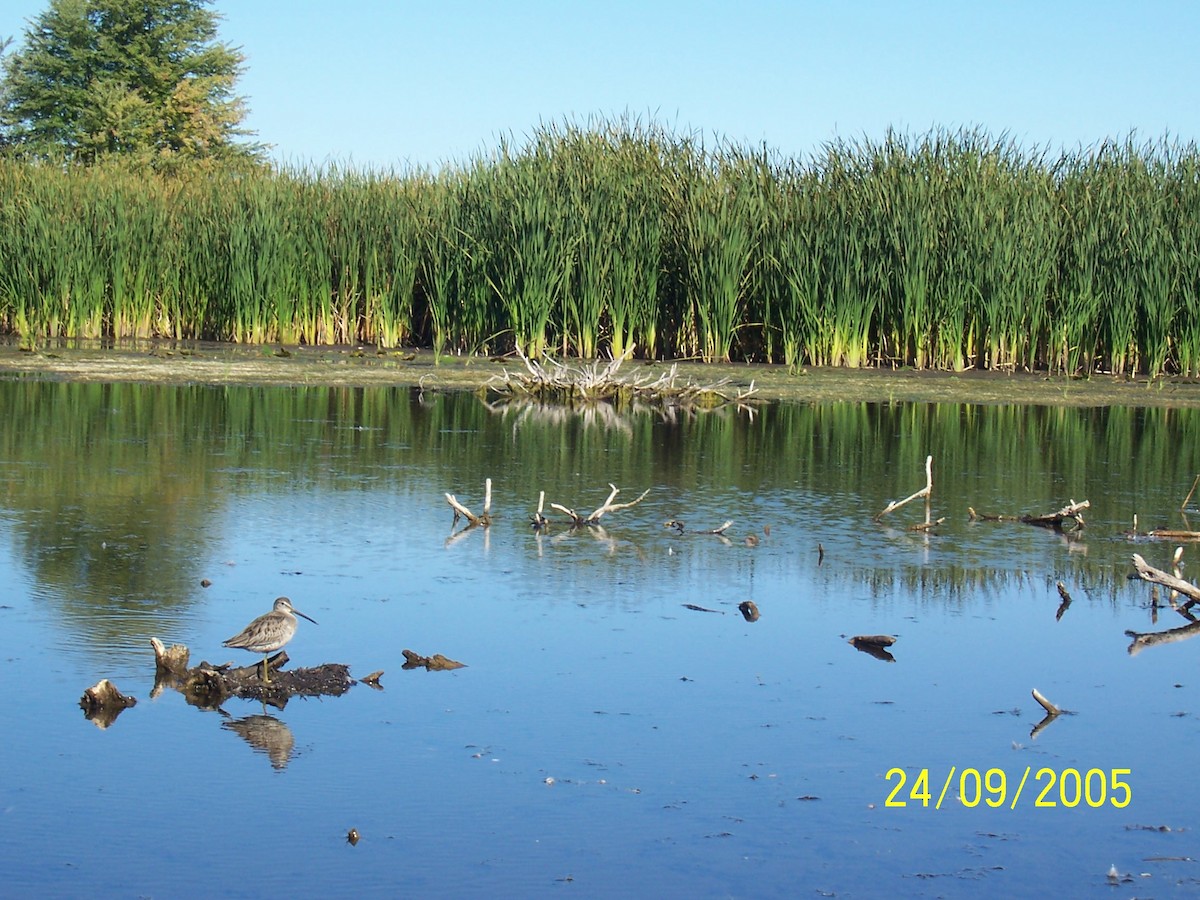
(947, 250)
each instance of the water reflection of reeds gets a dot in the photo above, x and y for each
(110, 489)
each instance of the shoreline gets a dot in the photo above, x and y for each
(196, 363)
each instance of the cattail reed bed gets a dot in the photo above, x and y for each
(952, 250)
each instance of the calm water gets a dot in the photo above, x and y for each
(604, 739)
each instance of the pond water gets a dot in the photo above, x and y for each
(605, 737)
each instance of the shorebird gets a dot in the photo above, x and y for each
(269, 632)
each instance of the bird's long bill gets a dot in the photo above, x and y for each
(303, 616)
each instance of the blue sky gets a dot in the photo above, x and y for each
(396, 84)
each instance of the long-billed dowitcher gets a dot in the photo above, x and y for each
(269, 632)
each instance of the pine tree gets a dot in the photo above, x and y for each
(141, 80)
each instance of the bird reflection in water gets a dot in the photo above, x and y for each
(265, 734)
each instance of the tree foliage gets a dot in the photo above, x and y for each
(141, 80)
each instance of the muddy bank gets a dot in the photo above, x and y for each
(217, 364)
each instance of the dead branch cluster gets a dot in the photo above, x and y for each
(578, 520)
(1069, 518)
(559, 382)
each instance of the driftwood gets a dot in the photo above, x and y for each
(1068, 518)
(1164, 534)
(988, 517)
(102, 703)
(1188, 498)
(579, 521)
(538, 520)
(680, 528)
(1147, 572)
(1046, 704)
(1052, 713)
(1058, 520)
(927, 526)
(923, 492)
(1169, 534)
(435, 663)
(208, 686)
(460, 511)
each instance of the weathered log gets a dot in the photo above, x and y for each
(1057, 521)
(102, 703)
(435, 663)
(1168, 534)
(208, 686)
(1147, 572)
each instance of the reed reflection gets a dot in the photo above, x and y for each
(113, 492)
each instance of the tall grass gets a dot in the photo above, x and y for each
(948, 250)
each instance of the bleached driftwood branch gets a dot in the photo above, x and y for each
(608, 506)
(1055, 520)
(1147, 572)
(461, 511)
(923, 492)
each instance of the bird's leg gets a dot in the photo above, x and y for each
(266, 669)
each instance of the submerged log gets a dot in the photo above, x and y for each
(102, 703)
(679, 528)
(1168, 534)
(208, 686)
(435, 663)
(988, 517)
(1059, 520)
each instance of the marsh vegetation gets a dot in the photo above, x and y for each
(951, 250)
